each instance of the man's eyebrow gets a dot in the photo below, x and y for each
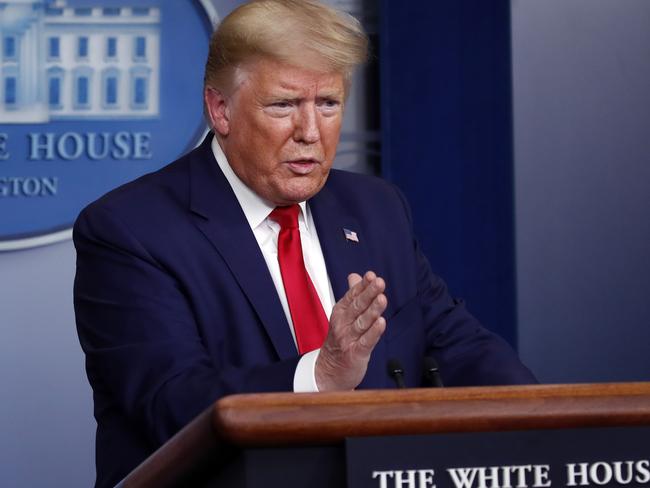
(283, 94)
(293, 90)
(330, 94)
(297, 97)
(290, 87)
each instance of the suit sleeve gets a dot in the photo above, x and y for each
(144, 353)
(467, 353)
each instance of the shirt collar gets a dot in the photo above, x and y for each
(256, 209)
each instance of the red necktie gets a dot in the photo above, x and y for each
(309, 320)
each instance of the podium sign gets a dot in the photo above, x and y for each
(520, 459)
(477, 437)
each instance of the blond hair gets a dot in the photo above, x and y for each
(302, 33)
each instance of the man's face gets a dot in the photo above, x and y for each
(280, 128)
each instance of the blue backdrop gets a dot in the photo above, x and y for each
(447, 143)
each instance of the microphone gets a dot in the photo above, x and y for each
(430, 374)
(396, 372)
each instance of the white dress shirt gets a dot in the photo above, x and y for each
(266, 231)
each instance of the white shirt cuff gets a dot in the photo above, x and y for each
(304, 379)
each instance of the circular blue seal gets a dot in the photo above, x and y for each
(93, 94)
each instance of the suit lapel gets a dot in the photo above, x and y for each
(342, 257)
(220, 218)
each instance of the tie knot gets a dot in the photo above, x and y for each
(287, 217)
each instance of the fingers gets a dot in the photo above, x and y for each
(362, 293)
(353, 279)
(367, 318)
(369, 340)
(360, 308)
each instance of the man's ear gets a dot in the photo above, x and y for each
(216, 105)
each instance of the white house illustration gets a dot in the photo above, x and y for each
(59, 62)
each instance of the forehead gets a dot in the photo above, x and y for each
(265, 76)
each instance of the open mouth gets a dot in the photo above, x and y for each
(302, 166)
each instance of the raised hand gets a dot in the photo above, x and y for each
(356, 325)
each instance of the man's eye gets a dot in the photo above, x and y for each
(279, 109)
(329, 105)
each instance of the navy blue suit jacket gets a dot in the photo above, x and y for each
(175, 306)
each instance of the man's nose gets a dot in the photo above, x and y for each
(307, 129)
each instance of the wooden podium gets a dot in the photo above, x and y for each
(311, 427)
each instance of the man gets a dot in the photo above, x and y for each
(249, 265)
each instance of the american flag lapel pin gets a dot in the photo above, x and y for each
(350, 235)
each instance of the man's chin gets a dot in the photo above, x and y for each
(298, 193)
